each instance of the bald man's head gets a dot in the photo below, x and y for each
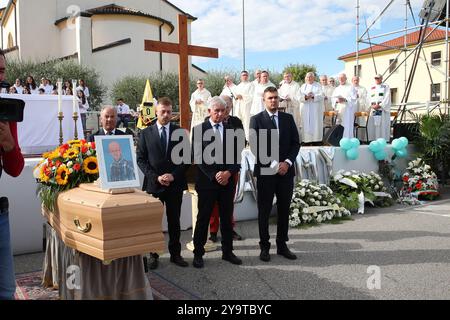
(114, 150)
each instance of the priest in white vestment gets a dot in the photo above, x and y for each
(380, 108)
(290, 97)
(362, 105)
(244, 97)
(344, 100)
(199, 104)
(257, 103)
(327, 98)
(257, 79)
(229, 89)
(311, 110)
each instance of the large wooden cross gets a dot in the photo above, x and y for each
(184, 50)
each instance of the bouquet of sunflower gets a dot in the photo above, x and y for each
(65, 168)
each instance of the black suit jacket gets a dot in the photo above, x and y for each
(153, 163)
(101, 132)
(206, 173)
(288, 139)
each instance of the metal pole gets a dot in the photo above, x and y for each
(357, 39)
(405, 43)
(243, 35)
(446, 56)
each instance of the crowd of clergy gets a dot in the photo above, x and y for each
(315, 105)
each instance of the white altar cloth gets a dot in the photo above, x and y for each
(39, 131)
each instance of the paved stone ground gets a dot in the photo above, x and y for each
(410, 245)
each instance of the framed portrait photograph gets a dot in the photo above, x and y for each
(117, 162)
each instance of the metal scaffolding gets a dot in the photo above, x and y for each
(405, 50)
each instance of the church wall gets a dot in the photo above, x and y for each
(67, 40)
(39, 37)
(130, 58)
(9, 29)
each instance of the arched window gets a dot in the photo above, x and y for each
(10, 40)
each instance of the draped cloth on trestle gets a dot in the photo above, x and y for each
(123, 279)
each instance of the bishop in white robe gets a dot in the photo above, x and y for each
(311, 110)
(290, 97)
(344, 100)
(244, 97)
(257, 103)
(199, 104)
(379, 125)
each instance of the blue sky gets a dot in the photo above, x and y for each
(280, 32)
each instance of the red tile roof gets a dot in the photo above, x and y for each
(412, 39)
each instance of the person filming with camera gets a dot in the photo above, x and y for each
(11, 162)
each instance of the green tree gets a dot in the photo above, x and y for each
(299, 71)
(53, 70)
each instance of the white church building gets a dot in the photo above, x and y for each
(96, 33)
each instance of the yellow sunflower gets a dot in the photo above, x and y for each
(62, 176)
(53, 155)
(71, 153)
(90, 165)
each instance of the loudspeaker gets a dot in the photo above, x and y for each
(334, 135)
(434, 9)
(408, 130)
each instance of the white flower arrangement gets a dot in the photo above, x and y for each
(349, 185)
(420, 181)
(314, 203)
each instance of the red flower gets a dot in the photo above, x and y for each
(405, 178)
(409, 189)
(82, 141)
(419, 186)
(84, 149)
(58, 163)
(93, 145)
(76, 167)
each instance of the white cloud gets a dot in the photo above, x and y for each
(276, 25)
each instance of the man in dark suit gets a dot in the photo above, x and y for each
(214, 223)
(108, 119)
(165, 180)
(214, 183)
(275, 176)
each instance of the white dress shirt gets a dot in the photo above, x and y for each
(278, 128)
(215, 129)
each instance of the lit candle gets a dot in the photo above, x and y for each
(74, 91)
(59, 95)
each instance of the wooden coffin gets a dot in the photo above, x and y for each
(108, 226)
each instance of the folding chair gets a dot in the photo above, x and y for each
(333, 116)
(357, 126)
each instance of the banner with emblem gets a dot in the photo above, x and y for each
(147, 107)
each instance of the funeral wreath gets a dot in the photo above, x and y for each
(314, 203)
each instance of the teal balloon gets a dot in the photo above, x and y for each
(355, 142)
(345, 144)
(383, 142)
(402, 153)
(375, 146)
(397, 144)
(380, 155)
(404, 142)
(352, 154)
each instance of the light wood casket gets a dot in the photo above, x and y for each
(108, 226)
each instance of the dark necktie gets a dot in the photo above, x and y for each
(164, 140)
(274, 122)
(109, 133)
